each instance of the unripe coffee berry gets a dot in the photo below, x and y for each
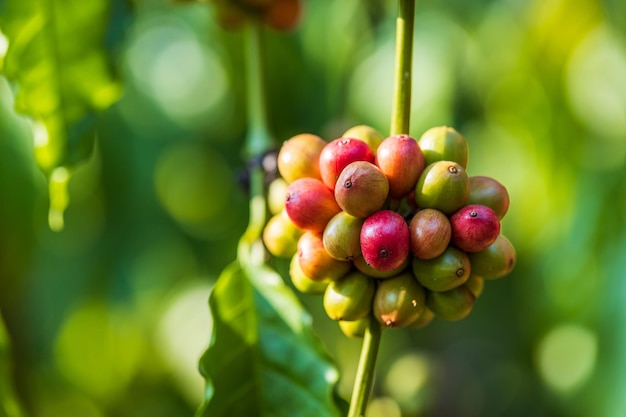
(453, 305)
(280, 236)
(489, 192)
(444, 186)
(361, 189)
(355, 328)
(444, 143)
(367, 134)
(430, 233)
(342, 236)
(447, 271)
(349, 298)
(360, 264)
(299, 157)
(399, 301)
(496, 261)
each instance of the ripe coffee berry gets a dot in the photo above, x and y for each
(474, 228)
(310, 204)
(385, 240)
(337, 154)
(401, 160)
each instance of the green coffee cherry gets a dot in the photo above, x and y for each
(444, 186)
(280, 236)
(476, 285)
(496, 261)
(341, 237)
(370, 271)
(489, 192)
(349, 298)
(303, 283)
(354, 328)
(453, 305)
(276, 195)
(367, 134)
(444, 143)
(399, 301)
(447, 271)
(424, 319)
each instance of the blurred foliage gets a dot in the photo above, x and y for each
(9, 406)
(57, 58)
(109, 316)
(264, 359)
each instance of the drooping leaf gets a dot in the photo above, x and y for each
(264, 360)
(9, 406)
(58, 60)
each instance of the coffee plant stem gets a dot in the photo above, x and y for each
(258, 141)
(365, 370)
(401, 110)
(400, 122)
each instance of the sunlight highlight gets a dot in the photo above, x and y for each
(566, 357)
(183, 335)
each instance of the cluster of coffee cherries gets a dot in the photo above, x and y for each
(390, 226)
(278, 14)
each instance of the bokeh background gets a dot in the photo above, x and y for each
(109, 316)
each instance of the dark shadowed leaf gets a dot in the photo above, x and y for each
(264, 360)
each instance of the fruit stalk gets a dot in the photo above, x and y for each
(401, 110)
(400, 121)
(258, 142)
(365, 371)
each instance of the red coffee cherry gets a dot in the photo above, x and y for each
(337, 154)
(474, 228)
(310, 204)
(401, 160)
(315, 262)
(385, 240)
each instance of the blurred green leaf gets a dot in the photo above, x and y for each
(9, 406)
(264, 360)
(57, 57)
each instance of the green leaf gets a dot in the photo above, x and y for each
(264, 360)
(9, 406)
(58, 59)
